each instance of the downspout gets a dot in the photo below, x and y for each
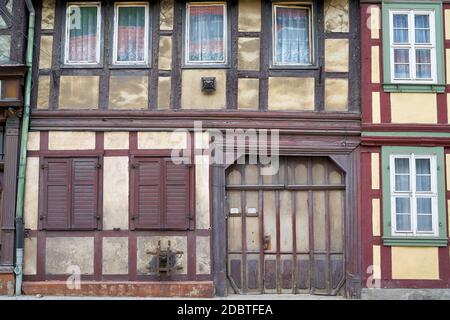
(23, 150)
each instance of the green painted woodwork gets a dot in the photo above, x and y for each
(406, 134)
(388, 239)
(438, 87)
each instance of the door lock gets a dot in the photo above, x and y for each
(266, 242)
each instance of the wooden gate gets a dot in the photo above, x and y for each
(286, 231)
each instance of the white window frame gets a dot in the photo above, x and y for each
(225, 34)
(117, 6)
(412, 46)
(413, 194)
(67, 32)
(311, 34)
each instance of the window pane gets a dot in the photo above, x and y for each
(422, 25)
(424, 205)
(402, 165)
(5, 48)
(131, 34)
(423, 175)
(401, 182)
(292, 31)
(401, 21)
(401, 28)
(423, 166)
(401, 63)
(83, 34)
(424, 223)
(403, 222)
(423, 63)
(206, 33)
(402, 205)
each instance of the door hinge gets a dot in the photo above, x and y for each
(44, 166)
(98, 165)
(135, 166)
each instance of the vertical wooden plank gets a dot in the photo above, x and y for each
(244, 231)
(311, 229)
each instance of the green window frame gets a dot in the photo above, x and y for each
(440, 239)
(437, 86)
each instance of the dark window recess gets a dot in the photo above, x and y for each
(70, 195)
(161, 191)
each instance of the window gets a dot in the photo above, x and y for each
(206, 26)
(82, 33)
(292, 35)
(413, 196)
(161, 192)
(131, 34)
(413, 47)
(70, 193)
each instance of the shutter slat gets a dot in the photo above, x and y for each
(84, 193)
(56, 198)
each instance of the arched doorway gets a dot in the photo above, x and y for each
(286, 231)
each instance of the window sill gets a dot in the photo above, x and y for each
(414, 88)
(415, 241)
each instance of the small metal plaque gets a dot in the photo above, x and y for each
(234, 210)
(252, 211)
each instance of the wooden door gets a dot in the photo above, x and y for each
(286, 231)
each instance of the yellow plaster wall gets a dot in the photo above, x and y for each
(192, 96)
(202, 202)
(31, 198)
(43, 92)
(34, 140)
(162, 140)
(415, 263)
(376, 213)
(79, 92)
(376, 257)
(48, 14)
(336, 55)
(45, 54)
(375, 161)
(289, 93)
(115, 255)
(116, 140)
(63, 253)
(166, 15)
(413, 108)
(336, 95)
(375, 22)
(376, 107)
(165, 53)
(128, 92)
(375, 64)
(115, 193)
(447, 24)
(336, 15)
(248, 54)
(164, 90)
(71, 140)
(30, 256)
(248, 94)
(249, 17)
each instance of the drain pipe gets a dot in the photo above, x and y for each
(23, 150)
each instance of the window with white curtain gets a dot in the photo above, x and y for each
(206, 33)
(131, 33)
(413, 46)
(82, 44)
(414, 195)
(292, 35)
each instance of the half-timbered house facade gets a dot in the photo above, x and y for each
(405, 153)
(104, 200)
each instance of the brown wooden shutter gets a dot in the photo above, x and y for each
(84, 193)
(177, 197)
(147, 197)
(56, 198)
